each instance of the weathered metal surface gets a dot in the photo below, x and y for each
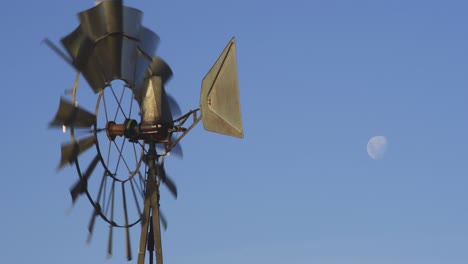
(159, 67)
(151, 106)
(174, 106)
(219, 100)
(151, 213)
(81, 48)
(110, 43)
(71, 115)
(71, 151)
(154, 103)
(81, 185)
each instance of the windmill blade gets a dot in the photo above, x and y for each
(168, 181)
(159, 67)
(72, 115)
(174, 106)
(82, 184)
(171, 186)
(97, 209)
(96, 212)
(72, 150)
(176, 151)
(59, 52)
(163, 220)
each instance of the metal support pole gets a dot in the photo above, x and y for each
(151, 210)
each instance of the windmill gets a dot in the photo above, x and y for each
(119, 142)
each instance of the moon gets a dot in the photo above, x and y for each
(376, 147)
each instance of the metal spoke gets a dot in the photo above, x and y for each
(108, 155)
(135, 153)
(131, 107)
(115, 98)
(127, 231)
(96, 207)
(138, 185)
(119, 102)
(101, 187)
(104, 194)
(110, 200)
(121, 157)
(135, 197)
(105, 106)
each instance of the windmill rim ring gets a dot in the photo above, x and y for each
(96, 204)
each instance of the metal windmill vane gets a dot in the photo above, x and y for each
(119, 142)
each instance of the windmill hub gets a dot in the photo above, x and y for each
(133, 131)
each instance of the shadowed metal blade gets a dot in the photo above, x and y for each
(150, 44)
(163, 220)
(72, 150)
(174, 106)
(168, 182)
(167, 148)
(146, 50)
(110, 43)
(81, 48)
(177, 151)
(96, 212)
(58, 51)
(71, 115)
(97, 208)
(82, 184)
(159, 67)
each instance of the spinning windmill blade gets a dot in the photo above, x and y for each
(82, 184)
(58, 51)
(110, 43)
(163, 220)
(176, 151)
(171, 186)
(72, 150)
(174, 106)
(69, 114)
(165, 179)
(169, 149)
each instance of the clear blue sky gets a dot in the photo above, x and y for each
(317, 80)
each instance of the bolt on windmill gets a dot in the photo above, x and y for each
(120, 140)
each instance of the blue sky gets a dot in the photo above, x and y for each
(317, 79)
